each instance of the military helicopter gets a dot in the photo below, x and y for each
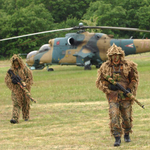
(82, 48)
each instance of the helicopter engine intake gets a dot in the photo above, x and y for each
(74, 42)
(71, 41)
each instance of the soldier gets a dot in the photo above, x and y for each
(120, 106)
(19, 99)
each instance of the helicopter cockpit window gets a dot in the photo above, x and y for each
(31, 54)
(97, 36)
(44, 48)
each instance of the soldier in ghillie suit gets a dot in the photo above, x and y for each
(125, 73)
(19, 98)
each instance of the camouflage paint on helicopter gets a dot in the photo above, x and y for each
(82, 49)
(133, 46)
(73, 49)
(130, 46)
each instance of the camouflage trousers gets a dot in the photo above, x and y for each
(120, 113)
(18, 105)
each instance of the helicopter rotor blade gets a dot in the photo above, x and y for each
(114, 28)
(16, 37)
(78, 28)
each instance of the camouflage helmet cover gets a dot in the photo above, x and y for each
(115, 50)
(17, 59)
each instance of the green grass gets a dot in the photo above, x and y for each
(71, 113)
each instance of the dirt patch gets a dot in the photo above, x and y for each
(1, 66)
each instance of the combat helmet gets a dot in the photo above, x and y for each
(115, 50)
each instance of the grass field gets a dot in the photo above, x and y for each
(71, 113)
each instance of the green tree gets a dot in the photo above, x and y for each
(125, 13)
(105, 14)
(134, 10)
(63, 9)
(29, 16)
(31, 19)
(143, 16)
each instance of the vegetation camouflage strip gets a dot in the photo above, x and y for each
(21, 84)
(105, 69)
(120, 107)
(19, 98)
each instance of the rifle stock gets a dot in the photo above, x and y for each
(120, 87)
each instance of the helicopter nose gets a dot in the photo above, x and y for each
(30, 58)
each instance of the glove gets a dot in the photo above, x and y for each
(112, 87)
(24, 84)
(129, 90)
(14, 81)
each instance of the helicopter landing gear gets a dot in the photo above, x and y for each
(87, 65)
(50, 69)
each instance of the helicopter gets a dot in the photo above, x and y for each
(81, 48)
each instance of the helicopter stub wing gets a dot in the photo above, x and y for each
(84, 55)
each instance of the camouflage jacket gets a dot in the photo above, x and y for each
(126, 75)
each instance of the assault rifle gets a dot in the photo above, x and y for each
(19, 81)
(120, 87)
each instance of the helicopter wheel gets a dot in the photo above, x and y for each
(50, 69)
(87, 67)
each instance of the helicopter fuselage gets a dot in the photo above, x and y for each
(81, 49)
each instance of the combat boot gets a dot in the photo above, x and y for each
(117, 141)
(13, 121)
(127, 138)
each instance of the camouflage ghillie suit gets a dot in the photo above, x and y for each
(120, 106)
(19, 99)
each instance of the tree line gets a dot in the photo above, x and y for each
(19, 17)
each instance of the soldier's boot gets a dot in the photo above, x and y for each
(127, 137)
(13, 121)
(26, 118)
(117, 141)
